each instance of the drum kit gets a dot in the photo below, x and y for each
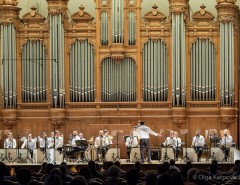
(82, 152)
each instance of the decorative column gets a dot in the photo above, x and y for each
(227, 17)
(178, 15)
(58, 19)
(9, 16)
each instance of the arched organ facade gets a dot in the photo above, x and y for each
(76, 72)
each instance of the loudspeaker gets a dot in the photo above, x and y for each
(154, 154)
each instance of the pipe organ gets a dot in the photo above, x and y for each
(78, 72)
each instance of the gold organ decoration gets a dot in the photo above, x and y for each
(112, 69)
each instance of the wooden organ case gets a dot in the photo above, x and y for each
(77, 72)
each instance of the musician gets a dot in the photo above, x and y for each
(177, 145)
(74, 138)
(10, 142)
(144, 132)
(198, 143)
(44, 141)
(226, 143)
(101, 144)
(169, 141)
(58, 141)
(51, 140)
(30, 144)
(106, 134)
(131, 142)
(81, 136)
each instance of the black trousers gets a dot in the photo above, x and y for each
(198, 150)
(129, 148)
(145, 143)
(226, 152)
(176, 151)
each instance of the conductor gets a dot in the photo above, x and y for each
(144, 132)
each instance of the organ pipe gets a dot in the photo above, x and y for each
(34, 72)
(203, 71)
(8, 58)
(104, 28)
(155, 60)
(131, 28)
(82, 83)
(118, 80)
(57, 61)
(178, 60)
(227, 64)
(117, 21)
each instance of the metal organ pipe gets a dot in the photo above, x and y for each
(131, 28)
(34, 72)
(155, 83)
(118, 80)
(8, 59)
(57, 61)
(227, 64)
(82, 85)
(104, 28)
(203, 71)
(118, 21)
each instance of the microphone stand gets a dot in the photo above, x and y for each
(165, 157)
(54, 143)
(19, 157)
(176, 152)
(225, 158)
(117, 157)
(186, 153)
(30, 151)
(45, 150)
(211, 156)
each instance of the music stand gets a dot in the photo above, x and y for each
(226, 158)
(115, 133)
(19, 156)
(45, 157)
(166, 157)
(82, 144)
(125, 139)
(212, 133)
(185, 132)
(29, 150)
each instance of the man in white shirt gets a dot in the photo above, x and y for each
(101, 145)
(75, 137)
(198, 143)
(10, 142)
(130, 143)
(144, 132)
(226, 143)
(44, 141)
(30, 144)
(81, 136)
(169, 141)
(58, 141)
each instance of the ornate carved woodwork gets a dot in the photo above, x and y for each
(90, 117)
